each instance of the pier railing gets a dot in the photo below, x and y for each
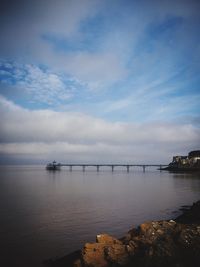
(112, 166)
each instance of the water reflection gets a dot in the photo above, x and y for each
(47, 214)
(187, 181)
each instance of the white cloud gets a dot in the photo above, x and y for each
(78, 137)
(22, 33)
(40, 85)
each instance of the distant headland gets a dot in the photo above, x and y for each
(185, 163)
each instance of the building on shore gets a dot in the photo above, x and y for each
(192, 160)
(194, 157)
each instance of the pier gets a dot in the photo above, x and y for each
(112, 166)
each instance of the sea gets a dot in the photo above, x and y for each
(48, 214)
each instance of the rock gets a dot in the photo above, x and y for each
(93, 255)
(107, 239)
(132, 247)
(191, 215)
(77, 263)
(117, 255)
(189, 241)
(155, 243)
(167, 243)
(108, 250)
(129, 236)
(145, 227)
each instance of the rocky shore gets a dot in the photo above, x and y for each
(173, 169)
(168, 243)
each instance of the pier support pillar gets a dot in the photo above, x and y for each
(83, 168)
(112, 168)
(143, 168)
(160, 168)
(127, 168)
(70, 168)
(98, 168)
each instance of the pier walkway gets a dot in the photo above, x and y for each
(112, 166)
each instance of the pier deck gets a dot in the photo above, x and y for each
(112, 166)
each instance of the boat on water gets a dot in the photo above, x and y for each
(53, 166)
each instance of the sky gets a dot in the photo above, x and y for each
(99, 81)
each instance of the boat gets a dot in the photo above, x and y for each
(54, 166)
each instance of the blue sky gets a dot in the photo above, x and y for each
(130, 65)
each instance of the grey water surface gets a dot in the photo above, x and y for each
(47, 214)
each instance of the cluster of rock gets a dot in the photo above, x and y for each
(152, 244)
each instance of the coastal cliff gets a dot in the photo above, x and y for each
(172, 243)
(190, 163)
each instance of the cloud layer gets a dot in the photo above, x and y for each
(45, 134)
(95, 80)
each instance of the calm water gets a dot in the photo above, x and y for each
(47, 214)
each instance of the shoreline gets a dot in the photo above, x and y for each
(172, 243)
(181, 169)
